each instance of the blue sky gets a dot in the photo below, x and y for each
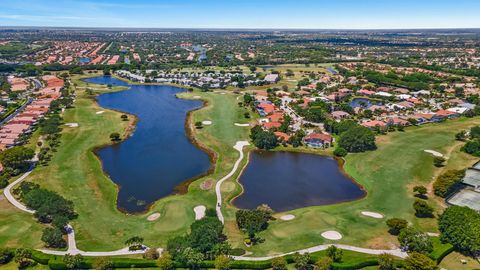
(312, 14)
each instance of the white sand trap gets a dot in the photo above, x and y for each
(196, 97)
(372, 214)
(153, 217)
(199, 211)
(206, 123)
(241, 125)
(100, 112)
(287, 217)
(434, 153)
(332, 235)
(72, 125)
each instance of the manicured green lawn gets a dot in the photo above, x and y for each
(454, 262)
(76, 173)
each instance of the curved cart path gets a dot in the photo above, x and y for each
(8, 192)
(395, 252)
(72, 245)
(239, 147)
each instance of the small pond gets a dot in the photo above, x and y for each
(158, 156)
(287, 181)
(364, 103)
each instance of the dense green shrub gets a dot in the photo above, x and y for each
(48, 205)
(418, 261)
(6, 256)
(472, 147)
(395, 225)
(340, 152)
(357, 139)
(16, 158)
(53, 237)
(414, 240)
(3, 181)
(460, 226)
(446, 183)
(422, 209)
(263, 139)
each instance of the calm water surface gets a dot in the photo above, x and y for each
(151, 163)
(287, 181)
(363, 102)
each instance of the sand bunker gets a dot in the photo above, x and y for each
(372, 214)
(153, 217)
(206, 123)
(100, 112)
(287, 217)
(206, 185)
(196, 97)
(434, 153)
(199, 211)
(332, 235)
(72, 125)
(241, 125)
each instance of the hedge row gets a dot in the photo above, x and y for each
(56, 263)
(440, 250)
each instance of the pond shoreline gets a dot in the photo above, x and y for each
(339, 165)
(180, 188)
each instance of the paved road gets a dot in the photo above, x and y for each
(17, 111)
(239, 147)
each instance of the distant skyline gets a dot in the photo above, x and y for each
(279, 14)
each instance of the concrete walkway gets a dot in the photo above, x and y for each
(239, 147)
(72, 245)
(8, 192)
(73, 250)
(395, 252)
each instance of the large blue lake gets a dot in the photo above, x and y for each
(158, 156)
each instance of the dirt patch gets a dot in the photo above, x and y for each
(206, 185)
(383, 241)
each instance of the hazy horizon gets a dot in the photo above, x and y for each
(248, 14)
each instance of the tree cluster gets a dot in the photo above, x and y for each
(262, 139)
(447, 182)
(253, 221)
(460, 226)
(205, 241)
